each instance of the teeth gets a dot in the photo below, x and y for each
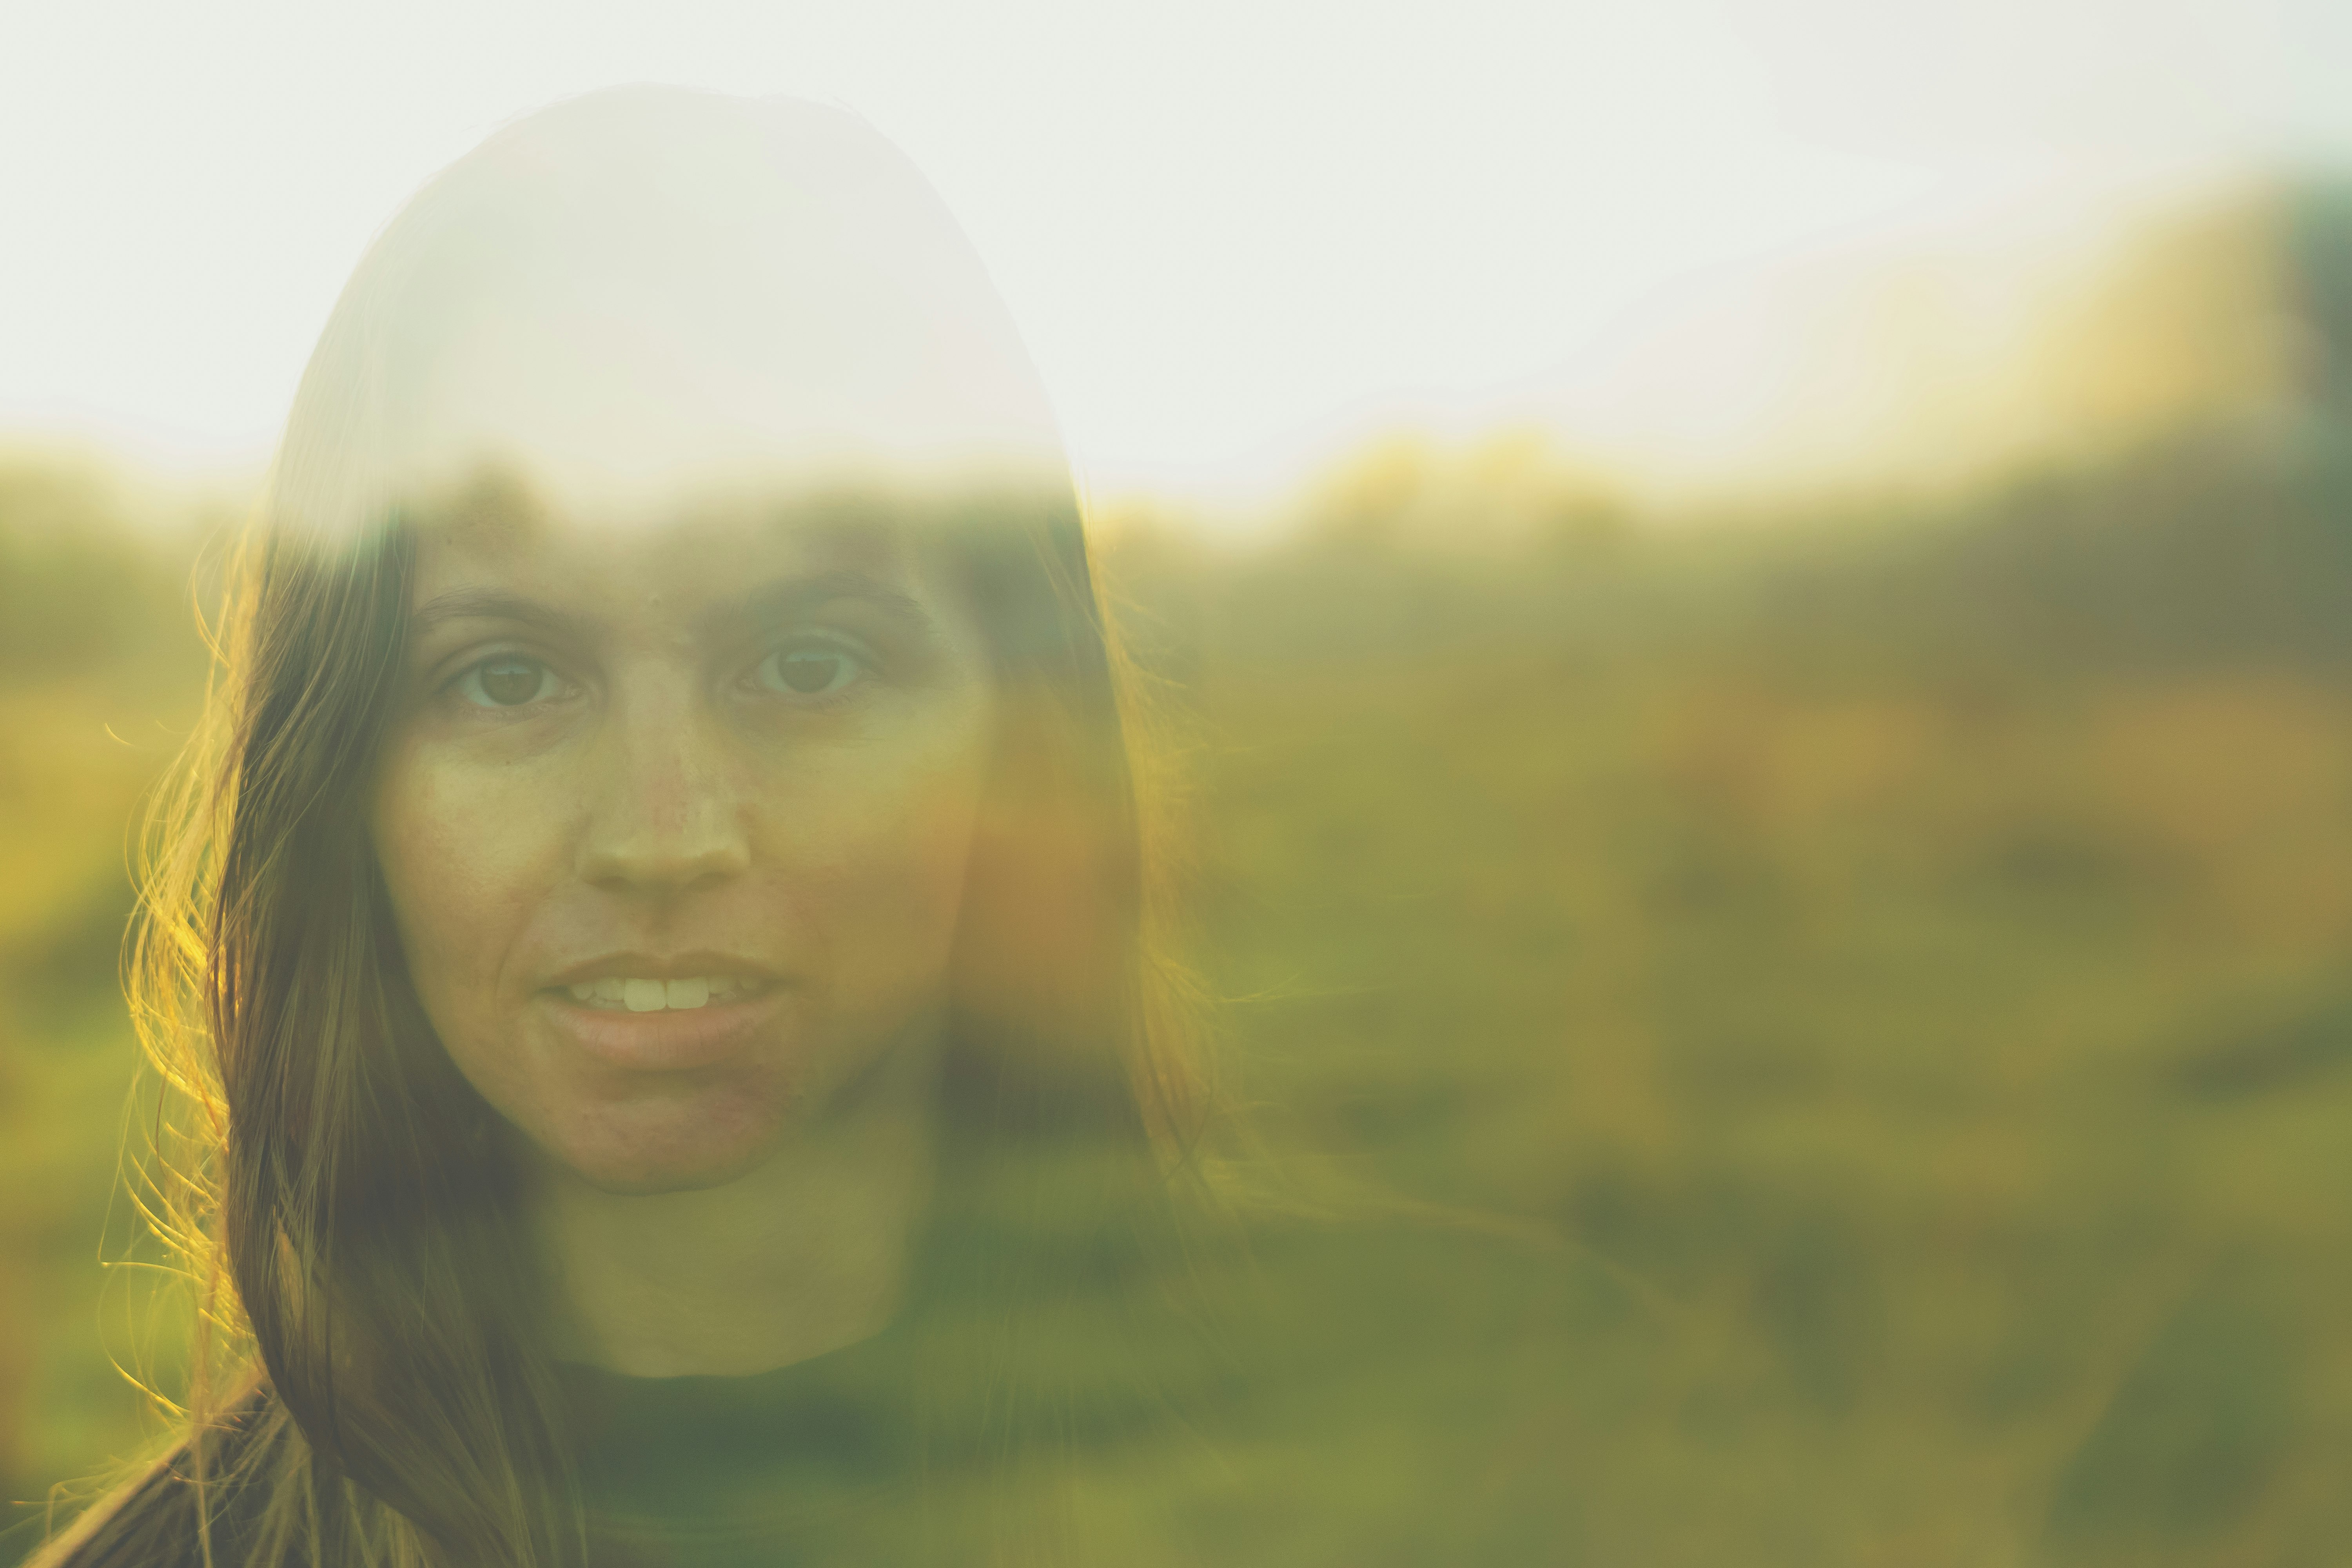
(609, 991)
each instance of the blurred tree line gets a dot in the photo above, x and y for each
(1910, 932)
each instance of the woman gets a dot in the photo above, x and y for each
(650, 949)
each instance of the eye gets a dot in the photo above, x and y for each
(807, 669)
(507, 680)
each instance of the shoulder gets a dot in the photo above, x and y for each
(161, 1516)
(128, 1524)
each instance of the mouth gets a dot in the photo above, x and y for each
(637, 1013)
(649, 993)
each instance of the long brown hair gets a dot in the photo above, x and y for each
(368, 1386)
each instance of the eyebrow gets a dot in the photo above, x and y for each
(487, 604)
(775, 602)
(782, 601)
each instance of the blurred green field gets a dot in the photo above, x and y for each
(100, 671)
(1915, 940)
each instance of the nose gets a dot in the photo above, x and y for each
(667, 812)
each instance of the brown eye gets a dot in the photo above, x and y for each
(808, 670)
(506, 682)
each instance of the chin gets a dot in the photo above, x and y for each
(645, 1160)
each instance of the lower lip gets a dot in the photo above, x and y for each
(668, 1039)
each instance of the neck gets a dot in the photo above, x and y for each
(806, 1254)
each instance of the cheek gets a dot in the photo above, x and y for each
(458, 866)
(882, 870)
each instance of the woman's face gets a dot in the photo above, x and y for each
(674, 822)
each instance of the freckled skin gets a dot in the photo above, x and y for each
(664, 790)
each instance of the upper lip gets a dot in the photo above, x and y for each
(674, 966)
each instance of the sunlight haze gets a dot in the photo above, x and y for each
(1238, 240)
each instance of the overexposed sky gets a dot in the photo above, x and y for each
(1236, 236)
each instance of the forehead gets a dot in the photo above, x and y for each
(674, 562)
(686, 579)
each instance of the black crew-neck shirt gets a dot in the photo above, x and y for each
(803, 1465)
